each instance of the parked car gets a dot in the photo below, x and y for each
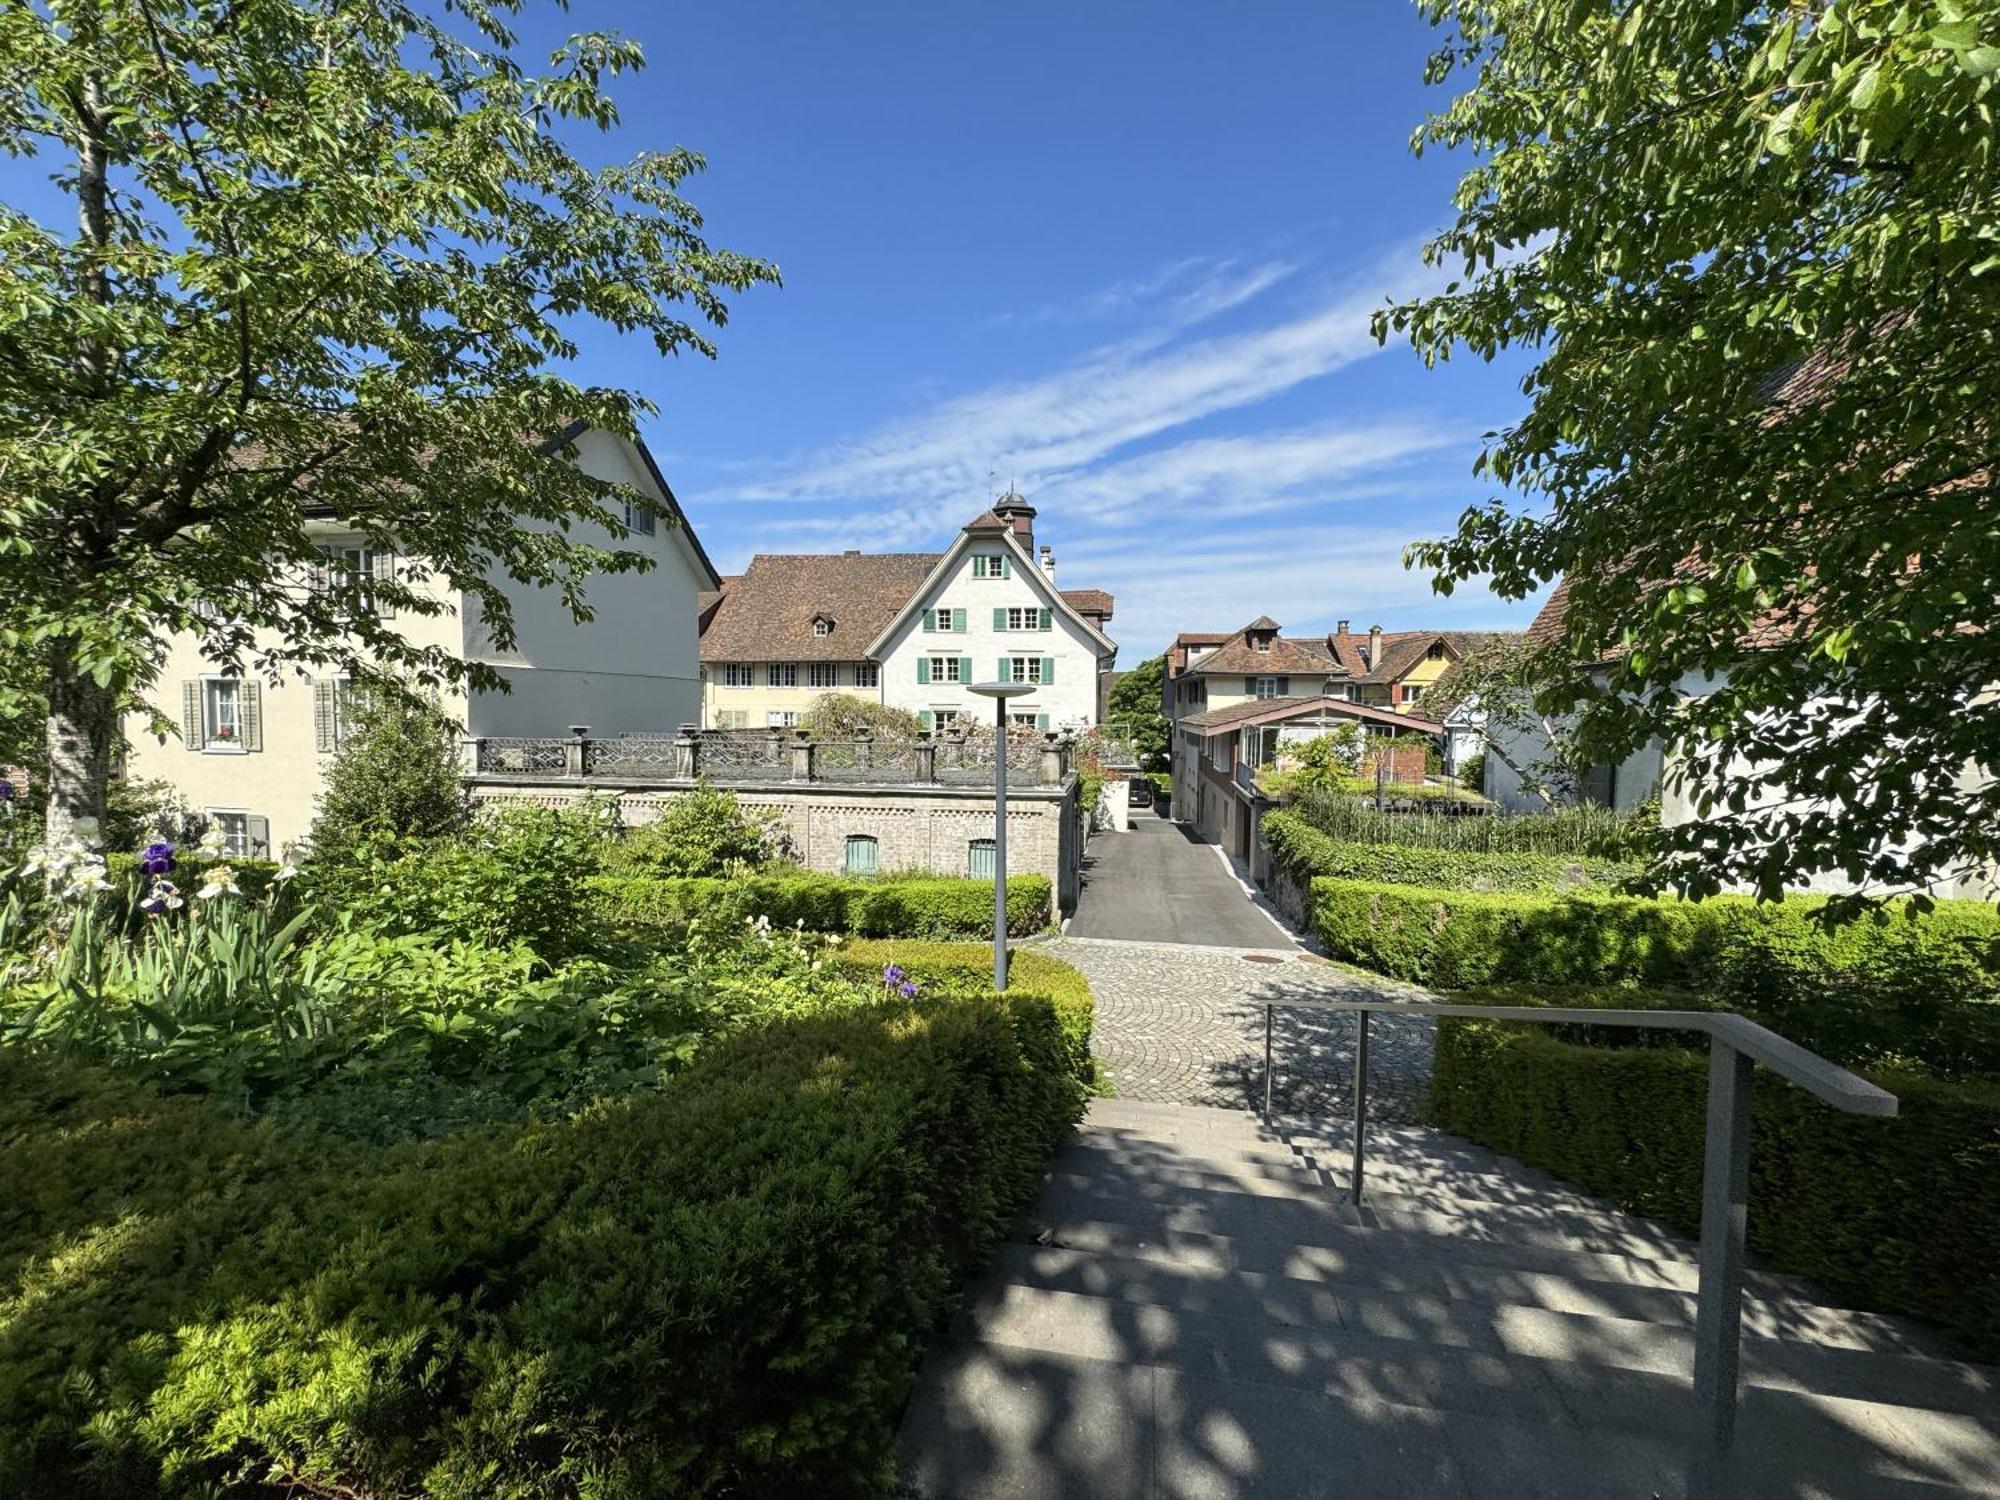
(1138, 792)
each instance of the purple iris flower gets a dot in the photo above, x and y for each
(907, 990)
(157, 859)
(153, 906)
(6, 790)
(892, 975)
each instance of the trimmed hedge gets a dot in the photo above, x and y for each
(1895, 1215)
(967, 969)
(723, 1287)
(929, 907)
(1304, 852)
(1774, 956)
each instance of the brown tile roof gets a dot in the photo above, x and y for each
(1261, 710)
(1286, 654)
(767, 614)
(1088, 601)
(1546, 629)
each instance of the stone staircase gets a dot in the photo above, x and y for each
(1196, 1308)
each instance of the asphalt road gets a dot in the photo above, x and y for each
(1158, 883)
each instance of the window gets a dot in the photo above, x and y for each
(781, 718)
(1029, 669)
(1436, 653)
(1029, 720)
(781, 674)
(943, 718)
(822, 627)
(979, 859)
(1015, 618)
(733, 718)
(222, 714)
(1268, 687)
(867, 674)
(1353, 692)
(936, 620)
(860, 855)
(335, 700)
(739, 674)
(244, 836)
(639, 518)
(823, 674)
(1412, 692)
(355, 568)
(985, 566)
(947, 669)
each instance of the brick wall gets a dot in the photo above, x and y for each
(1406, 762)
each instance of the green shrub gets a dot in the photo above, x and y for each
(722, 1288)
(965, 969)
(519, 875)
(926, 907)
(702, 832)
(1896, 1215)
(396, 773)
(1302, 851)
(1892, 970)
(1586, 832)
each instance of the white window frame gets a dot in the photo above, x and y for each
(946, 668)
(1020, 618)
(1412, 691)
(355, 561)
(1022, 719)
(639, 519)
(733, 718)
(823, 674)
(236, 842)
(867, 674)
(1265, 687)
(1024, 669)
(944, 716)
(822, 627)
(212, 741)
(781, 674)
(988, 565)
(781, 718)
(739, 674)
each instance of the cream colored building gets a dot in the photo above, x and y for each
(910, 629)
(252, 755)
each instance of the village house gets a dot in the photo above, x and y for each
(911, 630)
(251, 756)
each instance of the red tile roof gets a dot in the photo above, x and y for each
(767, 613)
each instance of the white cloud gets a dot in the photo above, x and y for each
(1076, 416)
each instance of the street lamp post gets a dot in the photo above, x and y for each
(1000, 692)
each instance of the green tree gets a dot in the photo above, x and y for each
(1503, 678)
(1325, 760)
(839, 716)
(1134, 711)
(703, 832)
(395, 774)
(1756, 250)
(333, 253)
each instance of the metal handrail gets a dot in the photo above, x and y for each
(1735, 1045)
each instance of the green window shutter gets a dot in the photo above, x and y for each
(1006, 566)
(1048, 670)
(1006, 670)
(958, 621)
(999, 617)
(1041, 721)
(323, 717)
(384, 564)
(250, 715)
(191, 727)
(930, 620)
(1048, 618)
(1284, 687)
(923, 669)
(979, 859)
(923, 718)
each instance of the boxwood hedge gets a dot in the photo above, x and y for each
(724, 1287)
(918, 907)
(1304, 852)
(1896, 1215)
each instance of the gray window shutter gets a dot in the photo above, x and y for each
(1284, 687)
(191, 725)
(958, 621)
(250, 715)
(999, 617)
(1048, 618)
(385, 572)
(257, 832)
(923, 669)
(324, 737)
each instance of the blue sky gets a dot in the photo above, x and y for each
(1121, 253)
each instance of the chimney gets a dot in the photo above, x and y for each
(1374, 647)
(1341, 628)
(1049, 561)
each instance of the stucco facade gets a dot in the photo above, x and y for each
(729, 702)
(633, 667)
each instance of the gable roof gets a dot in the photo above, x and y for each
(979, 527)
(1286, 654)
(1272, 710)
(767, 612)
(1088, 601)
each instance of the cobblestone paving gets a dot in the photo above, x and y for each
(1185, 1025)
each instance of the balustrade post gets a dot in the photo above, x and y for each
(864, 749)
(1052, 762)
(471, 751)
(686, 764)
(926, 757)
(802, 757)
(574, 757)
(1725, 1208)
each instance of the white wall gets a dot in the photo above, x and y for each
(1070, 702)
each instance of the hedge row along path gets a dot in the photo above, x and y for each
(1182, 1024)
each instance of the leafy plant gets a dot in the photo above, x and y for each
(841, 716)
(396, 774)
(702, 832)
(1133, 711)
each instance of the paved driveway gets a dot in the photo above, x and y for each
(1158, 883)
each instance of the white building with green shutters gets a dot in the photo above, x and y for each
(989, 610)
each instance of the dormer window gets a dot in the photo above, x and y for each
(1260, 643)
(1436, 653)
(822, 625)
